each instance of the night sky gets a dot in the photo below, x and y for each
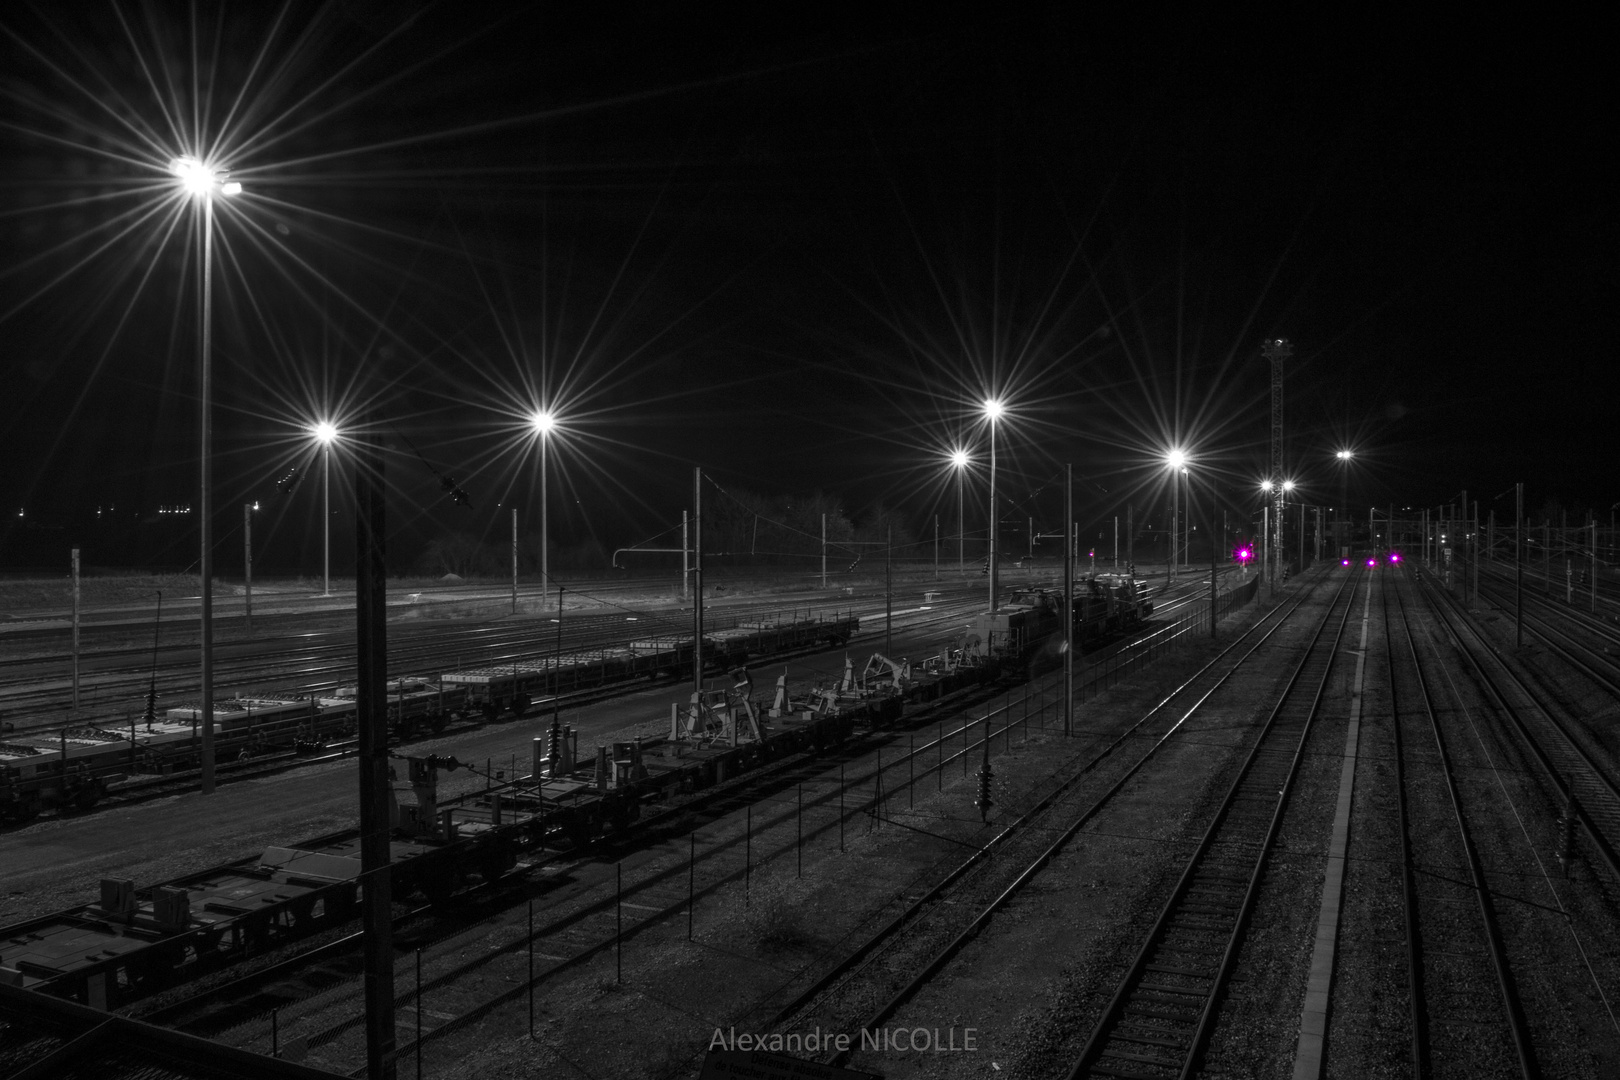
(797, 245)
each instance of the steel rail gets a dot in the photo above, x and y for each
(1528, 1067)
(1416, 1000)
(1590, 791)
(1033, 867)
(1214, 901)
(934, 759)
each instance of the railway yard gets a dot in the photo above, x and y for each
(1357, 831)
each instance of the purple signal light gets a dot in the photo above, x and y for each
(1344, 562)
(1372, 562)
(1394, 556)
(1242, 554)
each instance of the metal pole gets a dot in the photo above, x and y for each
(326, 519)
(840, 807)
(1518, 563)
(823, 551)
(1301, 537)
(685, 547)
(418, 1014)
(545, 528)
(1214, 590)
(936, 547)
(799, 846)
(691, 878)
(247, 564)
(1265, 540)
(372, 710)
(206, 559)
(888, 595)
(990, 559)
(1130, 543)
(514, 560)
(748, 852)
(961, 524)
(1473, 560)
(531, 969)
(618, 922)
(1068, 595)
(697, 581)
(75, 630)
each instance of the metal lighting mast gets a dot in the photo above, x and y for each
(1277, 350)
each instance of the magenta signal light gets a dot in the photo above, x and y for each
(1372, 562)
(1344, 562)
(1394, 556)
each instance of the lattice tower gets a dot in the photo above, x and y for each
(1277, 350)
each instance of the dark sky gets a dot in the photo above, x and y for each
(798, 245)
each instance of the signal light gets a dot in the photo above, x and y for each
(1344, 562)
(1394, 556)
(1372, 562)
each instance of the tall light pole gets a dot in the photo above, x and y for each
(324, 433)
(1288, 487)
(959, 459)
(1176, 460)
(201, 181)
(544, 422)
(1344, 457)
(993, 409)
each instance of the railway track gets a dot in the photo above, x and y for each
(1576, 772)
(1588, 644)
(1163, 1011)
(299, 665)
(1463, 989)
(652, 891)
(913, 946)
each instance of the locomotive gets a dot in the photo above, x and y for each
(1030, 624)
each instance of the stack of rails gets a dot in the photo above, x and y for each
(133, 942)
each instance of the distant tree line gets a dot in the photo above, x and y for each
(740, 528)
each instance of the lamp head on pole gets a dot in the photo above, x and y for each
(993, 408)
(325, 432)
(199, 178)
(1345, 455)
(959, 459)
(1176, 459)
(543, 422)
